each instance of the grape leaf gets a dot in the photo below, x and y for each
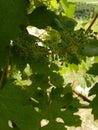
(56, 79)
(65, 102)
(56, 24)
(68, 7)
(54, 67)
(18, 61)
(94, 89)
(41, 80)
(64, 21)
(41, 17)
(13, 15)
(42, 100)
(40, 66)
(93, 104)
(54, 125)
(61, 23)
(91, 48)
(69, 118)
(94, 69)
(14, 106)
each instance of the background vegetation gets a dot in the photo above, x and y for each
(83, 1)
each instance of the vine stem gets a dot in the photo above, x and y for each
(80, 95)
(92, 23)
(89, 27)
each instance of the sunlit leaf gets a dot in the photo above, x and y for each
(69, 8)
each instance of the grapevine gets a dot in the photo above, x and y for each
(39, 74)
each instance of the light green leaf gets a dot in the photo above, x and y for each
(69, 8)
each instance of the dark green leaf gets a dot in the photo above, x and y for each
(56, 93)
(40, 66)
(41, 17)
(13, 106)
(56, 24)
(18, 61)
(12, 16)
(54, 67)
(42, 100)
(93, 104)
(70, 119)
(94, 69)
(56, 79)
(41, 80)
(4, 55)
(91, 48)
(94, 89)
(64, 21)
(70, 26)
(54, 125)
(94, 107)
